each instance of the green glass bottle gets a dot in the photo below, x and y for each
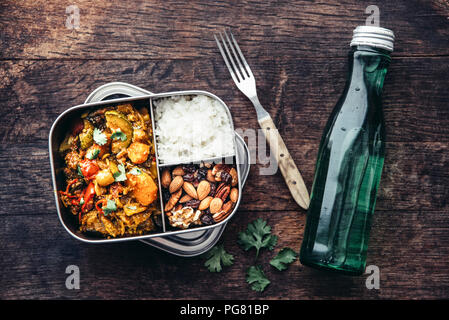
(350, 161)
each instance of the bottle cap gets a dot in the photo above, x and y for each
(373, 36)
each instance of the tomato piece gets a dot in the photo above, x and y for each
(89, 168)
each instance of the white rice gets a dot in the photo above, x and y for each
(191, 130)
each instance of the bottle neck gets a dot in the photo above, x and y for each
(368, 67)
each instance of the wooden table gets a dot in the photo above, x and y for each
(297, 51)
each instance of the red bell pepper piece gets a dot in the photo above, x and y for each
(89, 194)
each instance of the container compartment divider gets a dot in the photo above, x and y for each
(164, 229)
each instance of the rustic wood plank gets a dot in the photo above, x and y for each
(409, 182)
(183, 30)
(297, 51)
(299, 95)
(416, 112)
(405, 245)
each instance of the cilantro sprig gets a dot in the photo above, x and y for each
(135, 171)
(256, 278)
(285, 257)
(110, 207)
(216, 257)
(120, 175)
(257, 235)
(99, 137)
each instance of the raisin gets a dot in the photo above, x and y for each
(166, 195)
(226, 177)
(207, 219)
(193, 203)
(202, 173)
(195, 183)
(213, 187)
(189, 177)
(98, 120)
(225, 168)
(189, 168)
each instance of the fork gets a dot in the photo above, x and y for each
(244, 79)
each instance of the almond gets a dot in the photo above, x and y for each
(176, 184)
(203, 189)
(190, 189)
(234, 176)
(185, 198)
(166, 178)
(215, 205)
(178, 171)
(234, 195)
(205, 203)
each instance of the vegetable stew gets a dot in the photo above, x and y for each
(111, 172)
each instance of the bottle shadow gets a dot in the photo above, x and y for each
(330, 285)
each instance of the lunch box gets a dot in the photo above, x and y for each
(182, 242)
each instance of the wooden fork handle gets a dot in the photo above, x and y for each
(288, 168)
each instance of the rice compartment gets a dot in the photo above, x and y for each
(191, 128)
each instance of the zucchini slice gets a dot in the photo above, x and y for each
(116, 120)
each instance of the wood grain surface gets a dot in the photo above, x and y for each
(297, 51)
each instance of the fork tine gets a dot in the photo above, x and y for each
(238, 72)
(233, 75)
(247, 68)
(236, 57)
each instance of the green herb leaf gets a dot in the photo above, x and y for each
(120, 175)
(216, 257)
(78, 169)
(257, 235)
(110, 207)
(92, 154)
(256, 278)
(119, 135)
(99, 137)
(135, 171)
(283, 259)
(81, 201)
